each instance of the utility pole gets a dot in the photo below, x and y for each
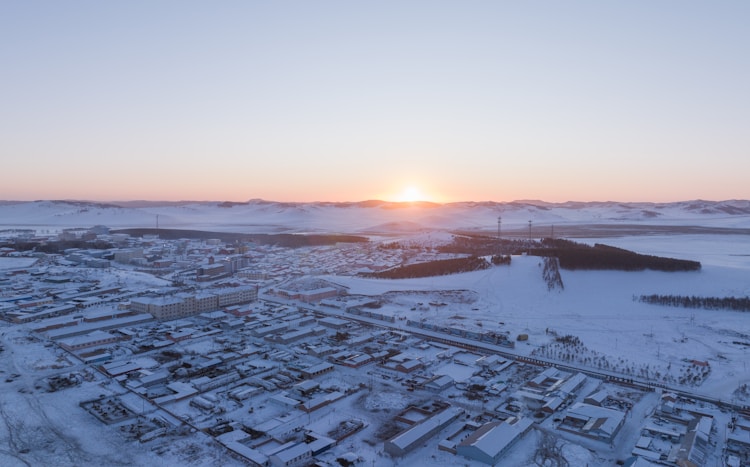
(529, 231)
(499, 241)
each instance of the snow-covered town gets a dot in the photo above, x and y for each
(138, 349)
(375, 233)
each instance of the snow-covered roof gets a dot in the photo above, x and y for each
(572, 383)
(493, 438)
(601, 419)
(404, 439)
(285, 456)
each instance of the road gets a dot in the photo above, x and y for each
(511, 353)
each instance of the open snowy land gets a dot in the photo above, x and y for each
(617, 332)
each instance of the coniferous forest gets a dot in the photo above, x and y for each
(706, 303)
(574, 255)
(432, 268)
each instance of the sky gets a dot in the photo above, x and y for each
(398, 100)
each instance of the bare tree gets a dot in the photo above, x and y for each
(549, 452)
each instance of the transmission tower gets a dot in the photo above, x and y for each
(529, 231)
(499, 239)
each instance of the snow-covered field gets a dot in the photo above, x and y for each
(597, 307)
(371, 216)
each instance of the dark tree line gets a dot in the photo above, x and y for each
(432, 268)
(482, 245)
(574, 255)
(282, 240)
(499, 260)
(707, 303)
(58, 246)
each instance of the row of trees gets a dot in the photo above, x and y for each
(707, 303)
(569, 348)
(499, 260)
(58, 246)
(282, 240)
(482, 245)
(574, 255)
(432, 268)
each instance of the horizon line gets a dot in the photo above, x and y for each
(373, 200)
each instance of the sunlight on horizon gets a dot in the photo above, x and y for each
(412, 194)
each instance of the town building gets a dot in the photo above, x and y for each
(492, 440)
(417, 434)
(593, 422)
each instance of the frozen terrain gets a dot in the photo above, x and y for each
(597, 307)
(376, 216)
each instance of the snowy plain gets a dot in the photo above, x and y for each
(373, 216)
(596, 306)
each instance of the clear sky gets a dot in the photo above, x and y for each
(350, 100)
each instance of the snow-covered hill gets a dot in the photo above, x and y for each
(371, 216)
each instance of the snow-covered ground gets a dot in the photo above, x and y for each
(50, 428)
(598, 307)
(730, 251)
(371, 217)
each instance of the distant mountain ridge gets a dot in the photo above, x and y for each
(733, 206)
(371, 216)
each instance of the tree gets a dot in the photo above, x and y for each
(549, 452)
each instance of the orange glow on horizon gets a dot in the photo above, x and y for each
(410, 193)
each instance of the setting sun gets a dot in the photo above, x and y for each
(411, 194)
